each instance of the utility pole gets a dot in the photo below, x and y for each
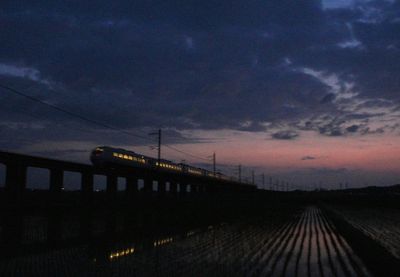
(159, 144)
(263, 181)
(214, 164)
(240, 173)
(252, 177)
(270, 183)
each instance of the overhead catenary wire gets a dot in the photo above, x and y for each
(94, 122)
(186, 153)
(72, 114)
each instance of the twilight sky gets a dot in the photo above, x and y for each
(306, 91)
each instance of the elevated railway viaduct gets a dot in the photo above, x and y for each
(163, 202)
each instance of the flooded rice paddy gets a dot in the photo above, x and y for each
(306, 243)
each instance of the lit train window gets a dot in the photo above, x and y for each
(194, 171)
(115, 154)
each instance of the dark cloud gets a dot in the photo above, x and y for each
(328, 98)
(198, 65)
(285, 135)
(352, 128)
(307, 158)
(325, 125)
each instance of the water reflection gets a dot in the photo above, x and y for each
(106, 251)
(303, 244)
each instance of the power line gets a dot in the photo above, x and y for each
(72, 114)
(158, 133)
(186, 153)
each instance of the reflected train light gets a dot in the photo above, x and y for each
(121, 253)
(162, 242)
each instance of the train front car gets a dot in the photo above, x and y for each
(112, 157)
(98, 157)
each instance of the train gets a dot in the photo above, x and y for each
(106, 156)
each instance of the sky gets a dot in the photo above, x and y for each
(304, 91)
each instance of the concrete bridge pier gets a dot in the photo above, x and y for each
(87, 186)
(56, 179)
(131, 185)
(195, 189)
(86, 214)
(161, 186)
(202, 188)
(111, 222)
(112, 183)
(15, 185)
(183, 188)
(15, 182)
(173, 188)
(148, 184)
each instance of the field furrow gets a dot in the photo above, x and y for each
(381, 225)
(305, 243)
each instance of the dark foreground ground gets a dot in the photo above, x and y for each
(268, 234)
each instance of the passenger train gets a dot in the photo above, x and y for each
(105, 156)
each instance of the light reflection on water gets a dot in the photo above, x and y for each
(306, 245)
